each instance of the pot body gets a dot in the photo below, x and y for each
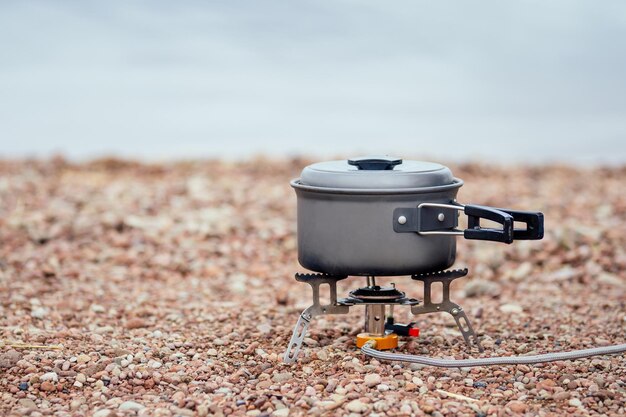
(351, 232)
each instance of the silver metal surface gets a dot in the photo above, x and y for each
(317, 309)
(375, 319)
(441, 217)
(402, 219)
(408, 174)
(347, 234)
(446, 305)
(368, 350)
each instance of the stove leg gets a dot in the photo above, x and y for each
(299, 332)
(317, 309)
(465, 327)
(446, 305)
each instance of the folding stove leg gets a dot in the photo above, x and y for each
(317, 309)
(456, 311)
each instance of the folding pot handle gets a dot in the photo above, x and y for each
(441, 219)
(474, 231)
(533, 221)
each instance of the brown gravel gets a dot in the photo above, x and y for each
(169, 291)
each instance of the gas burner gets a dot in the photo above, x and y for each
(377, 295)
(380, 326)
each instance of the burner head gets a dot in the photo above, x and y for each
(377, 293)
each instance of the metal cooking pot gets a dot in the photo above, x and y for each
(384, 216)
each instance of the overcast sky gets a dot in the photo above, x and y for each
(512, 81)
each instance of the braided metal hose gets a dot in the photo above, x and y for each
(369, 349)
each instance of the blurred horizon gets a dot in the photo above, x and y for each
(530, 82)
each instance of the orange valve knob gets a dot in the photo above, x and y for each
(386, 342)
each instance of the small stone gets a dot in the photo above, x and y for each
(517, 406)
(49, 376)
(39, 312)
(382, 387)
(282, 377)
(356, 406)
(23, 386)
(202, 410)
(103, 412)
(575, 402)
(479, 287)
(480, 384)
(281, 412)
(83, 358)
(157, 334)
(81, 378)
(263, 384)
(47, 386)
(97, 308)
(154, 364)
(9, 359)
(131, 405)
(211, 352)
(511, 308)
(372, 380)
(322, 355)
(27, 403)
(136, 323)
(264, 328)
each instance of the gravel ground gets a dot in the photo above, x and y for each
(162, 290)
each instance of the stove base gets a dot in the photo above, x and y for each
(342, 306)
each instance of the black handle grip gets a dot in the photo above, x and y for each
(534, 224)
(375, 163)
(474, 231)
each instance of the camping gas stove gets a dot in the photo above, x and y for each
(379, 302)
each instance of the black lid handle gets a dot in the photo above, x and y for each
(375, 163)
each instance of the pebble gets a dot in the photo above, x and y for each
(39, 312)
(480, 287)
(48, 386)
(49, 376)
(575, 402)
(136, 323)
(9, 359)
(23, 386)
(131, 405)
(27, 403)
(322, 354)
(264, 328)
(357, 406)
(517, 406)
(372, 380)
(103, 412)
(382, 387)
(480, 384)
(282, 377)
(511, 308)
(281, 412)
(211, 352)
(154, 364)
(83, 358)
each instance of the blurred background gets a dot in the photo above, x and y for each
(520, 82)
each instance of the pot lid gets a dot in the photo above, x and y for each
(376, 172)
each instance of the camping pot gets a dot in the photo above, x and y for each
(384, 216)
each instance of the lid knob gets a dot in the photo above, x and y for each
(375, 163)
